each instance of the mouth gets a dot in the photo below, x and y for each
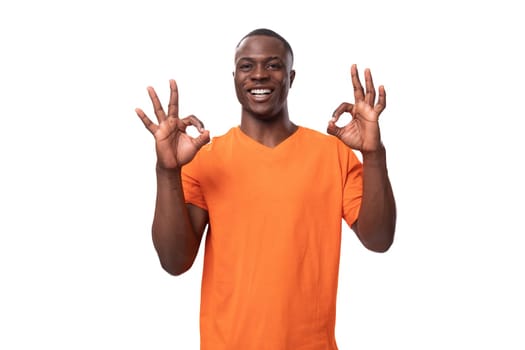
(260, 95)
(260, 92)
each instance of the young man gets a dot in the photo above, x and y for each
(273, 196)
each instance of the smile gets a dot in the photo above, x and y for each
(258, 92)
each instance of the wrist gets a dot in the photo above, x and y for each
(377, 156)
(167, 172)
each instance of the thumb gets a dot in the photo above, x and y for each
(333, 129)
(202, 139)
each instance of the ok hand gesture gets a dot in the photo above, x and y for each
(362, 132)
(173, 145)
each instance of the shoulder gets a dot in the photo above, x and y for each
(318, 138)
(327, 144)
(218, 143)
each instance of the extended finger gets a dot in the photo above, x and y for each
(381, 101)
(358, 88)
(343, 108)
(173, 106)
(370, 96)
(147, 122)
(157, 106)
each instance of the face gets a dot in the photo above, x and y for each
(263, 75)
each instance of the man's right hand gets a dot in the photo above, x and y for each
(173, 145)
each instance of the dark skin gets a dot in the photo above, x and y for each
(263, 63)
(177, 228)
(375, 225)
(263, 76)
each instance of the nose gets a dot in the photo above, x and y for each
(260, 72)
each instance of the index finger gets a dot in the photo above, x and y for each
(173, 105)
(344, 107)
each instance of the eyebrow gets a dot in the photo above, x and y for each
(264, 59)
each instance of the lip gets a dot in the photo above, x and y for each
(260, 97)
(258, 87)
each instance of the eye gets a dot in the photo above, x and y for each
(245, 67)
(274, 66)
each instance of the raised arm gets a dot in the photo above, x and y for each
(376, 222)
(177, 228)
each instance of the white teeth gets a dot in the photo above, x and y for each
(260, 91)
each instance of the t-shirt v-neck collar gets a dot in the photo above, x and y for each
(256, 144)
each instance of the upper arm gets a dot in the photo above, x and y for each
(198, 218)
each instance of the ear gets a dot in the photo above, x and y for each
(292, 76)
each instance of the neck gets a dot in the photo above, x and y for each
(268, 132)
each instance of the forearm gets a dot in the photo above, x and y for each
(174, 237)
(377, 216)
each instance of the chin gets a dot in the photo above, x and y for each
(263, 115)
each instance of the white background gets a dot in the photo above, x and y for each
(77, 266)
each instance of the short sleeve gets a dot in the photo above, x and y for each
(352, 188)
(191, 184)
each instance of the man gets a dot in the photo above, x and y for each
(273, 196)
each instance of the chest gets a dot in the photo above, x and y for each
(272, 179)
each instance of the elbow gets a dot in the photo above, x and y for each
(379, 242)
(174, 268)
(379, 247)
(377, 239)
(173, 263)
(174, 260)
(174, 272)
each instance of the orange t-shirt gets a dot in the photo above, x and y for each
(272, 253)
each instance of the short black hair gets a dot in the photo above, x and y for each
(268, 32)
